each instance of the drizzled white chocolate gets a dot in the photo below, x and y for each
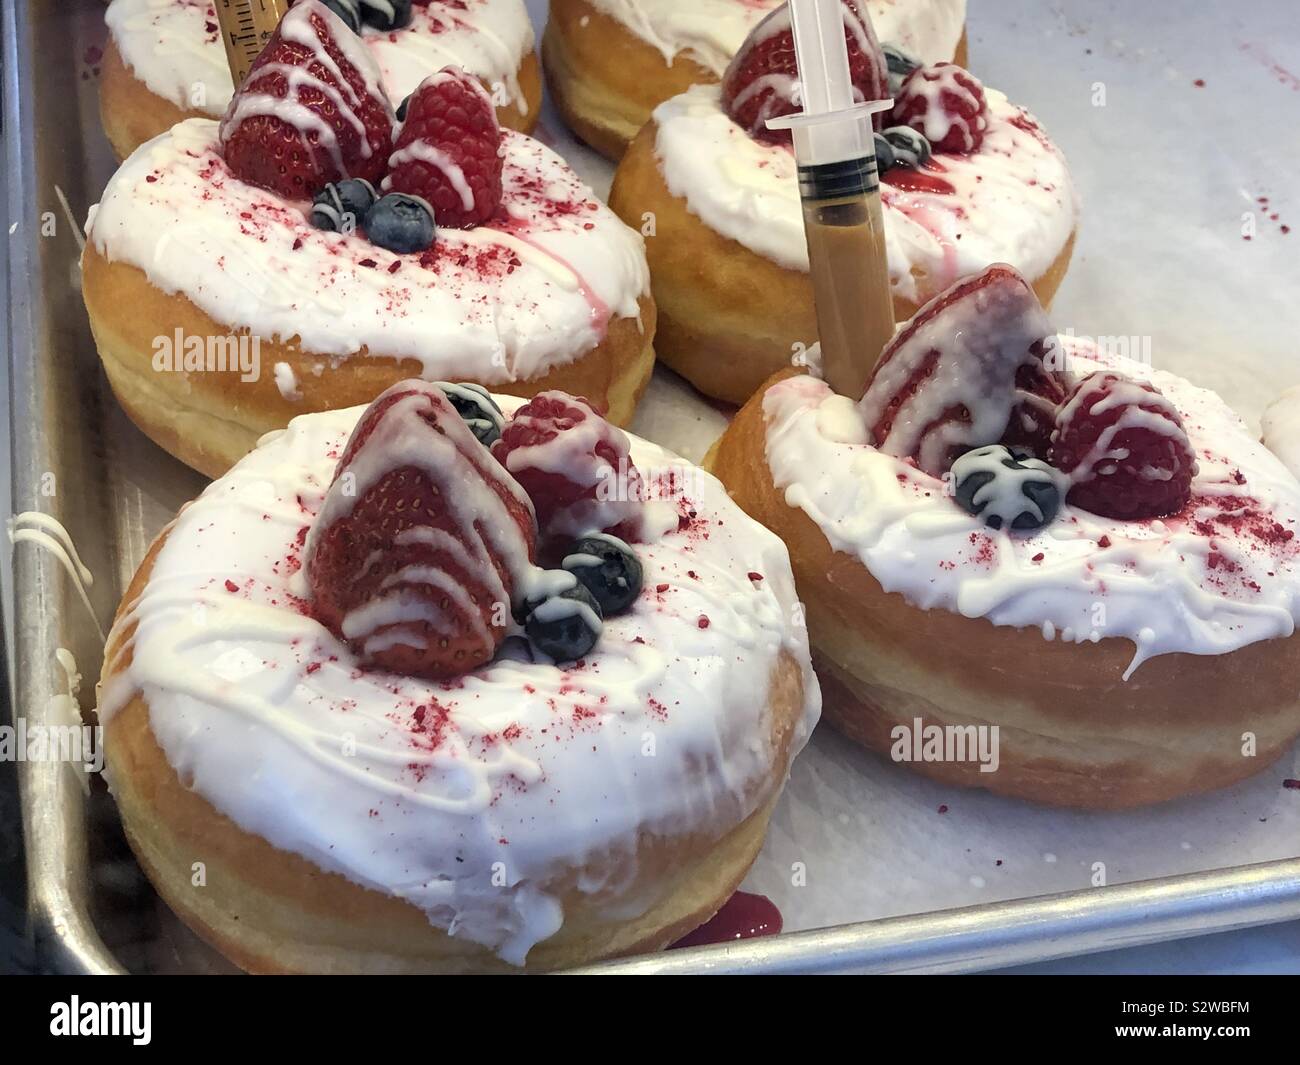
(424, 152)
(490, 547)
(610, 498)
(1221, 574)
(533, 288)
(174, 47)
(436, 792)
(783, 88)
(1153, 413)
(299, 27)
(942, 121)
(1012, 201)
(973, 367)
(711, 31)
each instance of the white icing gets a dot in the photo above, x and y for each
(613, 495)
(1143, 410)
(932, 85)
(170, 47)
(505, 301)
(458, 468)
(1197, 582)
(300, 27)
(265, 715)
(1013, 200)
(424, 152)
(286, 381)
(974, 347)
(784, 88)
(711, 31)
(50, 534)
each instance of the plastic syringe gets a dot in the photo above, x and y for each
(834, 146)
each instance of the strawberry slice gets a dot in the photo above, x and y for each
(449, 150)
(761, 79)
(422, 541)
(1040, 392)
(1123, 446)
(575, 467)
(954, 375)
(311, 110)
(946, 103)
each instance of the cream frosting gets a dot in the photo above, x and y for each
(1012, 201)
(505, 301)
(174, 47)
(1221, 574)
(439, 792)
(711, 31)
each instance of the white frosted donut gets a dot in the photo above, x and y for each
(610, 63)
(1012, 200)
(715, 193)
(1112, 663)
(711, 31)
(173, 48)
(1161, 589)
(518, 804)
(554, 292)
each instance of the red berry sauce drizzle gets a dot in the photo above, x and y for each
(743, 916)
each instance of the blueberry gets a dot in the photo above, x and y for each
(565, 623)
(884, 155)
(992, 483)
(911, 149)
(386, 14)
(607, 568)
(347, 11)
(403, 106)
(475, 404)
(342, 207)
(401, 223)
(900, 65)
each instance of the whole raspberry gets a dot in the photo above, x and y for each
(946, 103)
(574, 465)
(449, 150)
(1123, 446)
(760, 81)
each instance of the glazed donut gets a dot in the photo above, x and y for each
(164, 61)
(727, 248)
(349, 818)
(551, 291)
(609, 63)
(1124, 661)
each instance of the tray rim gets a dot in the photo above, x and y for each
(54, 832)
(66, 940)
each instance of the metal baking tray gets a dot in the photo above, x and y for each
(91, 910)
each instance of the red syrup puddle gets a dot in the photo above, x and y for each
(743, 916)
(917, 181)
